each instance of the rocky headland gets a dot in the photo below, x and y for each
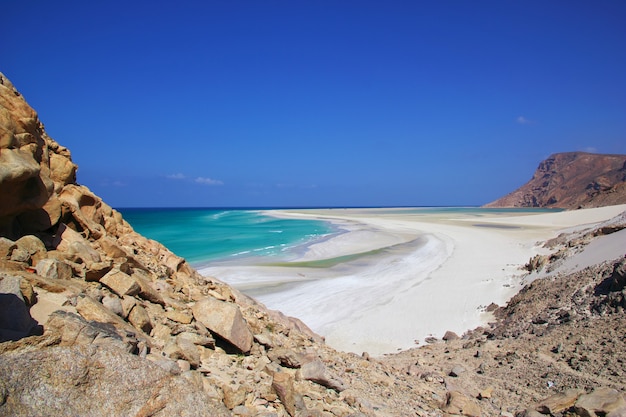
(97, 320)
(572, 180)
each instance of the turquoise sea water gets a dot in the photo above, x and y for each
(208, 236)
(203, 236)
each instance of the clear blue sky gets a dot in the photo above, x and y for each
(318, 103)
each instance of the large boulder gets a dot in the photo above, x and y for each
(225, 320)
(98, 381)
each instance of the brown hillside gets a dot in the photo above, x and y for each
(572, 180)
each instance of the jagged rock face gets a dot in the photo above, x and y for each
(572, 180)
(32, 166)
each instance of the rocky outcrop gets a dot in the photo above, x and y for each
(572, 180)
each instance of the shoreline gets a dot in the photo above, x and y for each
(426, 273)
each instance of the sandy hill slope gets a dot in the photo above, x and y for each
(572, 180)
(97, 320)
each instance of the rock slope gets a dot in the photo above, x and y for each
(572, 180)
(98, 320)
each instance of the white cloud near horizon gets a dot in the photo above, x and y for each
(178, 176)
(590, 149)
(208, 181)
(523, 121)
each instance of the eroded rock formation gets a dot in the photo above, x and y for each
(572, 180)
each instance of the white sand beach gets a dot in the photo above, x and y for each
(421, 273)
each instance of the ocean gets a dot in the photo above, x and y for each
(206, 236)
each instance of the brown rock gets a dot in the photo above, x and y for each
(225, 320)
(93, 310)
(147, 292)
(601, 402)
(70, 241)
(128, 303)
(286, 357)
(106, 381)
(282, 384)
(54, 269)
(179, 316)
(6, 247)
(188, 350)
(449, 335)
(28, 293)
(559, 402)
(485, 394)
(317, 372)
(96, 270)
(120, 283)
(234, 395)
(33, 246)
(111, 248)
(139, 318)
(458, 403)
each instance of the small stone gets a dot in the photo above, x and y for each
(457, 371)
(486, 393)
(449, 335)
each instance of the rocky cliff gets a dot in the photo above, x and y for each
(98, 320)
(572, 180)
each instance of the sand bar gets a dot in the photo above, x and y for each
(396, 277)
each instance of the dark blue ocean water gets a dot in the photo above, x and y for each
(203, 236)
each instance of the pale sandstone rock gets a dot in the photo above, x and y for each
(188, 350)
(287, 357)
(70, 241)
(450, 335)
(54, 269)
(559, 402)
(120, 283)
(102, 381)
(225, 320)
(282, 384)
(20, 255)
(93, 310)
(234, 395)
(139, 318)
(128, 303)
(601, 402)
(6, 246)
(147, 291)
(317, 372)
(34, 246)
(28, 292)
(111, 248)
(96, 270)
(114, 304)
(458, 403)
(179, 316)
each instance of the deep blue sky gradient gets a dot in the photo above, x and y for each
(318, 103)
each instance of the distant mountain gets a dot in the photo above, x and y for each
(572, 180)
